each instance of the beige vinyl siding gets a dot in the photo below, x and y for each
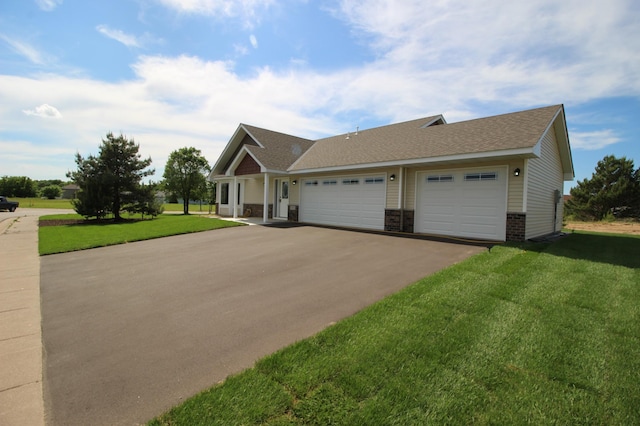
(253, 191)
(544, 176)
(294, 191)
(516, 187)
(393, 190)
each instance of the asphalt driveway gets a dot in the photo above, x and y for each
(132, 330)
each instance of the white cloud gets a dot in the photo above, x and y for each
(45, 111)
(520, 53)
(254, 41)
(249, 11)
(48, 5)
(593, 140)
(120, 36)
(24, 49)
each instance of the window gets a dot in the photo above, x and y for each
(474, 177)
(439, 178)
(374, 180)
(329, 182)
(350, 181)
(311, 183)
(224, 193)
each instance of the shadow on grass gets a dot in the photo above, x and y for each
(622, 250)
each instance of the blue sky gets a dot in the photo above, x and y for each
(175, 73)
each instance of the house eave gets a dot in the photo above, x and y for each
(458, 158)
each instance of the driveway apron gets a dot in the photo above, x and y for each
(132, 330)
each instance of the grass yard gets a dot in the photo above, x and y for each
(535, 334)
(65, 238)
(39, 203)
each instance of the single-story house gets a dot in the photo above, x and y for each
(69, 192)
(497, 178)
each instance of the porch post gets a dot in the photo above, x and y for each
(401, 188)
(235, 197)
(265, 207)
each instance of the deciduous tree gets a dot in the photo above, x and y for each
(184, 174)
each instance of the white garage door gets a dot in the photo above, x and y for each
(354, 201)
(464, 203)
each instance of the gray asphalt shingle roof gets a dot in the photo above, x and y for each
(279, 150)
(410, 140)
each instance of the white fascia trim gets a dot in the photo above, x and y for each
(273, 171)
(239, 158)
(439, 117)
(227, 149)
(529, 152)
(252, 137)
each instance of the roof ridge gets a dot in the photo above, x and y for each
(249, 126)
(507, 114)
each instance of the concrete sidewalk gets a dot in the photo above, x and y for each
(21, 401)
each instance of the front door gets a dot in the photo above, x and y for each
(282, 193)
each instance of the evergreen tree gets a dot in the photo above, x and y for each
(110, 181)
(614, 188)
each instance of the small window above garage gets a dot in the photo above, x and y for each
(374, 180)
(439, 178)
(480, 176)
(350, 181)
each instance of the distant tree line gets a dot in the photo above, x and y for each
(24, 187)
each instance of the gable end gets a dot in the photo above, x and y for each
(247, 140)
(248, 166)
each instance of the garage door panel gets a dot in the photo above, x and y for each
(350, 201)
(447, 204)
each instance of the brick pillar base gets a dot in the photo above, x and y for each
(398, 220)
(256, 210)
(516, 225)
(293, 213)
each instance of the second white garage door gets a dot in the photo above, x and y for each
(354, 201)
(463, 203)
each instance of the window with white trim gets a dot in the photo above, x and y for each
(374, 180)
(439, 178)
(475, 177)
(224, 193)
(350, 181)
(311, 183)
(330, 182)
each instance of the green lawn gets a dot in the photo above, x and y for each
(64, 238)
(531, 334)
(39, 203)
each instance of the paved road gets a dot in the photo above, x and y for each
(131, 330)
(20, 212)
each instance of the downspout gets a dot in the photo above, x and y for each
(401, 197)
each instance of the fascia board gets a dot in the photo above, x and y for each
(565, 146)
(439, 117)
(231, 145)
(526, 152)
(562, 140)
(252, 137)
